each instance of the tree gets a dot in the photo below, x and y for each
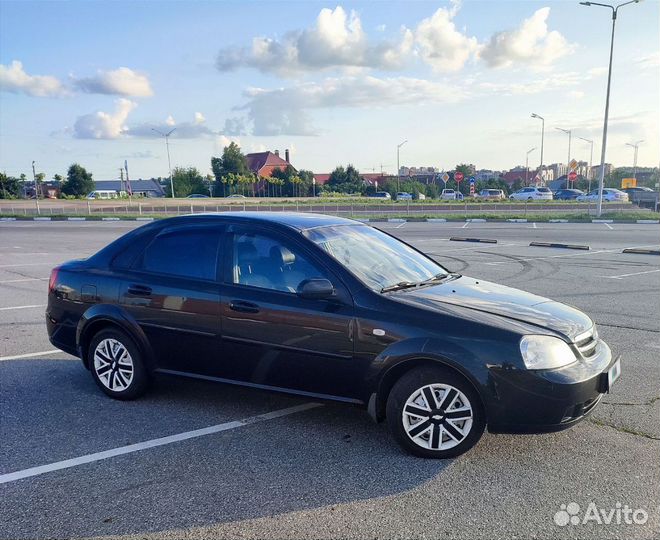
(79, 182)
(186, 182)
(232, 162)
(57, 178)
(10, 187)
(346, 180)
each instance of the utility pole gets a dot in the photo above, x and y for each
(568, 159)
(636, 147)
(167, 145)
(121, 181)
(398, 166)
(527, 164)
(591, 157)
(36, 187)
(534, 115)
(601, 173)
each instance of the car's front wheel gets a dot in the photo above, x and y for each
(433, 412)
(116, 365)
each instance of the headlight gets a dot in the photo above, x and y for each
(545, 352)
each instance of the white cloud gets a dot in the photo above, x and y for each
(102, 125)
(13, 78)
(336, 40)
(649, 62)
(235, 126)
(441, 44)
(530, 44)
(122, 81)
(183, 130)
(222, 140)
(285, 111)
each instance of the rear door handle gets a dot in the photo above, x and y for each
(139, 290)
(243, 307)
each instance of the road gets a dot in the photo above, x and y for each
(289, 468)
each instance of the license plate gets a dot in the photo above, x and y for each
(613, 374)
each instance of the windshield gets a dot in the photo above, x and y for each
(375, 258)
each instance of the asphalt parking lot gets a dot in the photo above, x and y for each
(274, 466)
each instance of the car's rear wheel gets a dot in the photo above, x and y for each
(433, 412)
(116, 365)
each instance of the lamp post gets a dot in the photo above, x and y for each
(36, 187)
(568, 159)
(601, 172)
(167, 145)
(534, 115)
(591, 157)
(398, 167)
(527, 163)
(636, 147)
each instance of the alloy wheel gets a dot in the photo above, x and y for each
(113, 365)
(437, 417)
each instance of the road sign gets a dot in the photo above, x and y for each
(472, 180)
(471, 189)
(458, 176)
(573, 164)
(445, 178)
(572, 176)
(628, 183)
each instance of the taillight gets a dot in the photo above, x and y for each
(53, 279)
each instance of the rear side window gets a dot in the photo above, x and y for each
(187, 253)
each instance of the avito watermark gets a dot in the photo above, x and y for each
(620, 514)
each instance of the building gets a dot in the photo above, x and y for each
(558, 169)
(263, 164)
(139, 188)
(595, 170)
(484, 175)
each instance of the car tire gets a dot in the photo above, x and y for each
(117, 365)
(427, 431)
(530, 198)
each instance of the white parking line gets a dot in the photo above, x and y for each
(24, 279)
(517, 261)
(27, 264)
(97, 456)
(30, 355)
(399, 226)
(466, 224)
(633, 274)
(608, 226)
(22, 307)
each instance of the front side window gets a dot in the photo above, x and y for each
(266, 262)
(186, 253)
(375, 258)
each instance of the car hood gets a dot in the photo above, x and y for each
(500, 300)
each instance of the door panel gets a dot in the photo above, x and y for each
(272, 336)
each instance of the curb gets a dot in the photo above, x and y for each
(517, 220)
(396, 220)
(558, 221)
(76, 219)
(565, 246)
(649, 221)
(482, 240)
(602, 221)
(475, 220)
(640, 251)
(112, 219)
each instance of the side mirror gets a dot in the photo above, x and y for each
(316, 289)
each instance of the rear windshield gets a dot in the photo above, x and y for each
(544, 189)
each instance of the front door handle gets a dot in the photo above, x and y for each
(243, 307)
(139, 290)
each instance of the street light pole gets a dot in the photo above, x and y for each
(568, 160)
(36, 188)
(167, 145)
(534, 115)
(398, 167)
(601, 172)
(527, 163)
(591, 157)
(636, 147)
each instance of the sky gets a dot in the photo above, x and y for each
(335, 83)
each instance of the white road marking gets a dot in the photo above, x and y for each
(633, 274)
(466, 224)
(27, 264)
(608, 226)
(145, 445)
(517, 261)
(534, 225)
(399, 226)
(22, 307)
(30, 355)
(24, 279)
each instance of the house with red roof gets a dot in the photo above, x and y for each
(264, 163)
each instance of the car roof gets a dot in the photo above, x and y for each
(295, 220)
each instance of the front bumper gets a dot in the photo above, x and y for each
(528, 401)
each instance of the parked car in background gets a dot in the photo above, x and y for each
(236, 196)
(197, 196)
(567, 194)
(327, 308)
(609, 195)
(451, 195)
(643, 196)
(404, 196)
(381, 195)
(491, 194)
(105, 194)
(532, 193)
(421, 197)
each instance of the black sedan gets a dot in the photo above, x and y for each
(333, 309)
(567, 194)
